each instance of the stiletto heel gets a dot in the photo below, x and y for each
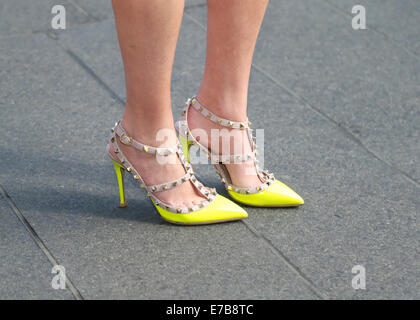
(185, 147)
(270, 193)
(213, 208)
(119, 171)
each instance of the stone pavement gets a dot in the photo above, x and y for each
(341, 113)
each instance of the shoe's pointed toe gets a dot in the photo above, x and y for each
(219, 210)
(277, 194)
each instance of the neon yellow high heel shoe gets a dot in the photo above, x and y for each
(271, 192)
(213, 209)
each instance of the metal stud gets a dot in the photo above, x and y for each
(112, 139)
(142, 185)
(116, 151)
(165, 187)
(219, 121)
(249, 123)
(145, 148)
(184, 179)
(258, 188)
(153, 188)
(209, 116)
(112, 130)
(179, 210)
(194, 101)
(247, 192)
(136, 177)
(175, 184)
(241, 126)
(230, 123)
(129, 169)
(230, 188)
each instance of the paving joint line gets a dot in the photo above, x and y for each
(82, 10)
(344, 130)
(85, 67)
(294, 268)
(38, 241)
(81, 63)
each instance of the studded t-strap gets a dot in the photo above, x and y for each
(220, 160)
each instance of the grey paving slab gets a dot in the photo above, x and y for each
(398, 20)
(25, 272)
(26, 17)
(366, 83)
(357, 210)
(54, 131)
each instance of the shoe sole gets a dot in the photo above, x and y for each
(201, 223)
(267, 206)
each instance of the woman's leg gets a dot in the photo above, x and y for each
(232, 31)
(148, 32)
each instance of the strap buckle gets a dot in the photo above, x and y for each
(125, 139)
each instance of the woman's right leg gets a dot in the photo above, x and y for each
(148, 32)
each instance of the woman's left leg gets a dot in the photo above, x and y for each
(232, 32)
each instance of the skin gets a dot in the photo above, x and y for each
(148, 33)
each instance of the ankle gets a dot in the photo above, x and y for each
(149, 129)
(226, 104)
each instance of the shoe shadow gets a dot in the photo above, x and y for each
(49, 200)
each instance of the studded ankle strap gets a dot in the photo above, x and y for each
(129, 141)
(211, 116)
